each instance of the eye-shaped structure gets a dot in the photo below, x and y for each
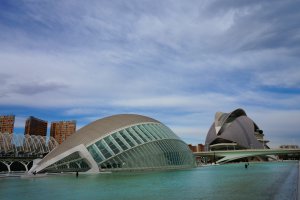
(234, 131)
(118, 143)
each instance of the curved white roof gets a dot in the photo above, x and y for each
(97, 129)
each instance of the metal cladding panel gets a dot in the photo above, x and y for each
(211, 135)
(222, 118)
(241, 131)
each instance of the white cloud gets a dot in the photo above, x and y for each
(159, 58)
(286, 77)
(277, 122)
(20, 122)
(178, 101)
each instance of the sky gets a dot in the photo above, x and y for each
(179, 62)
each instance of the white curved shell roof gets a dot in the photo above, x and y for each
(98, 129)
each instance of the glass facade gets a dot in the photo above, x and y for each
(139, 147)
(162, 154)
(71, 163)
(146, 146)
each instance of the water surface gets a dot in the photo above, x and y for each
(232, 181)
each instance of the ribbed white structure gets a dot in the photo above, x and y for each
(21, 145)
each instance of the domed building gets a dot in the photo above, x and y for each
(235, 130)
(125, 142)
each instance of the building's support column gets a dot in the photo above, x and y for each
(8, 164)
(25, 164)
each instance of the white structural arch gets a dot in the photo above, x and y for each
(23, 149)
(16, 145)
(222, 157)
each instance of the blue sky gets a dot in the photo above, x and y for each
(176, 61)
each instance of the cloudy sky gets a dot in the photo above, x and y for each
(176, 61)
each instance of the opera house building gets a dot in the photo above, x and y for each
(234, 131)
(125, 142)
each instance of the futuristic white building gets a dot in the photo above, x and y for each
(234, 130)
(118, 143)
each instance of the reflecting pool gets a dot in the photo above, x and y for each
(273, 180)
